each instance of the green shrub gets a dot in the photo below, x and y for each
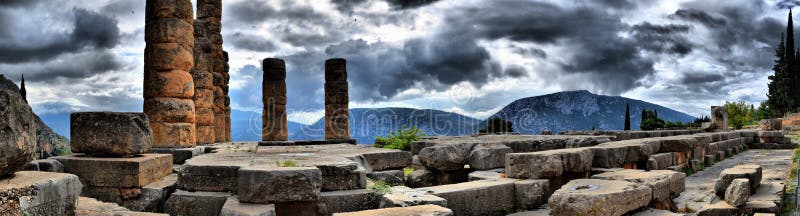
(286, 163)
(400, 139)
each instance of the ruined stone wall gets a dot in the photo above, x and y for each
(168, 85)
(210, 12)
(337, 117)
(274, 122)
(203, 83)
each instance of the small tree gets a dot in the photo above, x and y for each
(497, 125)
(627, 117)
(650, 120)
(400, 139)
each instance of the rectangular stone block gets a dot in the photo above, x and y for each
(423, 210)
(389, 160)
(199, 203)
(488, 156)
(233, 207)
(599, 197)
(349, 201)
(484, 197)
(39, 193)
(173, 135)
(299, 208)
(110, 134)
(749, 171)
(118, 172)
(401, 196)
(92, 207)
(208, 177)
(530, 194)
(150, 198)
(664, 184)
(179, 155)
(391, 177)
(357, 179)
(284, 184)
(548, 164)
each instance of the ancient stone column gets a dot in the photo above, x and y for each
(168, 86)
(203, 84)
(227, 104)
(337, 119)
(210, 11)
(274, 123)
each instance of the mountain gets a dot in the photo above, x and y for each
(48, 142)
(579, 110)
(246, 126)
(59, 122)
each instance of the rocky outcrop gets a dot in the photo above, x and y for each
(17, 129)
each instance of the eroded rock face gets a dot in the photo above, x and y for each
(738, 192)
(770, 124)
(599, 197)
(17, 132)
(110, 134)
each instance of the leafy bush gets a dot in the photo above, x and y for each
(497, 125)
(400, 139)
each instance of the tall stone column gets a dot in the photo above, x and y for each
(227, 104)
(210, 11)
(274, 123)
(168, 86)
(203, 84)
(337, 117)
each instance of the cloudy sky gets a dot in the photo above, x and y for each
(467, 56)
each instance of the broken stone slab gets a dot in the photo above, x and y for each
(422, 210)
(391, 177)
(738, 192)
(427, 178)
(486, 174)
(198, 203)
(763, 206)
(179, 155)
(621, 154)
(349, 200)
(661, 161)
(387, 160)
(531, 193)
(150, 198)
(599, 197)
(664, 184)
(233, 207)
(400, 196)
(656, 212)
(357, 179)
(748, 171)
(447, 157)
(127, 172)
(548, 164)
(281, 184)
(31, 166)
(538, 212)
(92, 207)
(720, 208)
(765, 134)
(678, 144)
(49, 165)
(484, 197)
(770, 124)
(110, 134)
(39, 193)
(488, 156)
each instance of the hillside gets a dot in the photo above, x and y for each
(48, 142)
(579, 110)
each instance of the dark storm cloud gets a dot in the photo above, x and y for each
(698, 16)
(663, 38)
(408, 4)
(696, 78)
(255, 12)
(17, 3)
(91, 31)
(619, 4)
(787, 4)
(250, 42)
(72, 65)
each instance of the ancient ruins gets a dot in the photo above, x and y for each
(176, 158)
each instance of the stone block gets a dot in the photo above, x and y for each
(195, 203)
(197, 175)
(49, 165)
(171, 83)
(39, 193)
(283, 184)
(425, 178)
(678, 144)
(387, 160)
(135, 171)
(617, 154)
(488, 156)
(150, 198)
(173, 135)
(179, 155)
(599, 197)
(349, 200)
(656, 212)
(92, 207)
(738, 192)
(664, 184)
(31, 166)
(391, 177)
(720, 208)
(531, 193)
(748, 171)
(662, 160)
(400, 196)
(483, 197)
(357, 179)
(548, 164)
(171, 110)
(299, 208)
(423, 210)
(486, 174)
(770, 124)
(764, 134)
(110, 134)
(233, 207)
(446, 157)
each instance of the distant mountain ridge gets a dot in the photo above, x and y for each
(570, 110)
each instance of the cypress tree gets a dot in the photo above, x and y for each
(627, 117)
(777, 96)
(22, 90)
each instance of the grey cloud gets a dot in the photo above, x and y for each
(250, 42)
(409, 4)
(698, 16)
(697, 78)
(72, 65)
(787, 4)
(663, 38)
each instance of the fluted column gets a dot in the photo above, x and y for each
(337, 117)
(274, 123)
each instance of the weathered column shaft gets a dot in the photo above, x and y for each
(168, 85)
(210, 11)
(274, 123)
(227, 103)
(204, 86)
(337, 117)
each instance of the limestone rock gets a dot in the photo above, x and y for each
(39, 193)
(446, 157)
(486, 174)
(110, 134)
(748, 171)
(770, 124)
(233, 207)
(400, 196)
(391, 177)
(599, 197)
(349, 200)
(423, 210)
(738, 192)
(664, 184)
(195, 203)
(531, 193)
(547, 164)
(118, 172)
(283, 184)
(18, 133)
(488, 156)
(484, 197)
(92, 207)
